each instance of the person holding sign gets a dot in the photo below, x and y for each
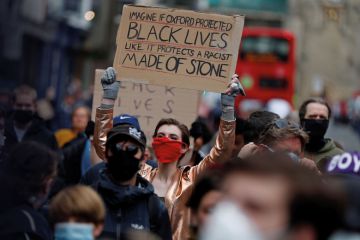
(170, 143)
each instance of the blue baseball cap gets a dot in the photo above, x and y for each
(126, 119)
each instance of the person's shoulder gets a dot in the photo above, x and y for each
(25, 220)
(332, 146)
(38, 128)
(93, 174)
(98, 166)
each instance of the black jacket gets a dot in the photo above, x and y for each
(37, 132)
(132, 208)
(23, 222)
(70, 165)
(93, 174)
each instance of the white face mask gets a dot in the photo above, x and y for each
(229, 222)
(74, 231)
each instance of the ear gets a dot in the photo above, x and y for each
(184, 148)
(98, 228)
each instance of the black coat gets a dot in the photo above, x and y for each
(70, 164)
(36, 132)
(93, 174)
(132, 208)
(23, 222)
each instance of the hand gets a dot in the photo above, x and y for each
(228, 98)
(235, 88)
(109, 84)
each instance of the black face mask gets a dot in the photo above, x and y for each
(316, 129)
(122, 165)
(23, 116)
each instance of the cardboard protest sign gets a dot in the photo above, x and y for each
(178, 48)
(151, 103)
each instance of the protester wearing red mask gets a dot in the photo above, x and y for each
(170, 143)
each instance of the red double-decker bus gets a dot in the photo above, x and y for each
(266, 64)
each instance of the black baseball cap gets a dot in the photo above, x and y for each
(121, 131)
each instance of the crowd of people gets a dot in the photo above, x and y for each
(264, 177)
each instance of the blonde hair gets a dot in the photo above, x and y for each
(79, 202)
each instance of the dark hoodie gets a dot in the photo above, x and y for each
(23, 222)
(132, 208)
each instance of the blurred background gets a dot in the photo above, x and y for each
(291, 50)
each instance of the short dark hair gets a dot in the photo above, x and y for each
(241, 126)
(199, 129)
(185, 134)
(302, 109)
(311, 202)
(26, 169)
(256, 123)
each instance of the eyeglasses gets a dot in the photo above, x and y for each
(284, 123)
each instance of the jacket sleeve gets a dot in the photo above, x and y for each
(103, 124)
(71, 161)
(220, 152)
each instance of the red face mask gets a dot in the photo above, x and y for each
(167, 150)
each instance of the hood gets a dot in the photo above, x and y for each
(329, 145)
(120, 195)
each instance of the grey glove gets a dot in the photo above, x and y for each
(227, 107)
(228, 100)
(109, 84)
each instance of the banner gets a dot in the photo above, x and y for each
(151, 103)
(178, 48)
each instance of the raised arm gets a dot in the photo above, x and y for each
(104, 113)
(225, 140)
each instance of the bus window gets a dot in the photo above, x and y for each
(273, 83)
(262, 48)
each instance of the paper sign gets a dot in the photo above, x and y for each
(151, 103)
(178, 48)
